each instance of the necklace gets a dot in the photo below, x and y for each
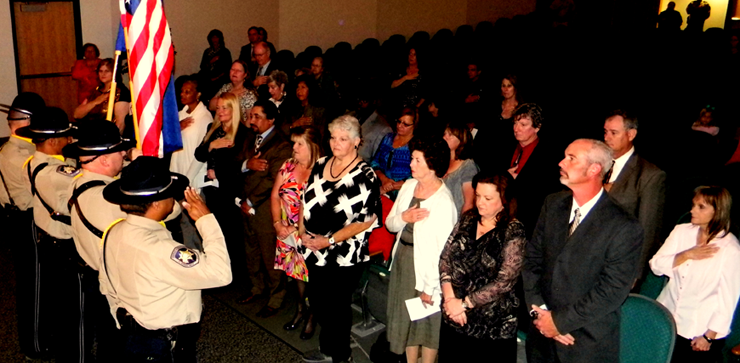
(331, 167)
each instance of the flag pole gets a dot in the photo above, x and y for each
(112, 94)
(133, 98)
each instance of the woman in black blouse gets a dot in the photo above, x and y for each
(341, 206)
(478, 269)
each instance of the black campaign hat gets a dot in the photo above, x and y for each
(26, 103)
(97, 138)
(146, 179)
(47, 123)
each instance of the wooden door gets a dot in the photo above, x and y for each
(46, 43)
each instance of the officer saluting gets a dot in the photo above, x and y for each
(152, 282)
(100, 150)
(50, 176)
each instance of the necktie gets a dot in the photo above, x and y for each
(259, 71)
(258, 143)
(608, 175)
(576, 221)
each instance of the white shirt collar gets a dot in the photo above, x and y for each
(264, 134)
(585, 208)
(619, 164)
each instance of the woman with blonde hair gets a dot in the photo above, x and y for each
(219, 150)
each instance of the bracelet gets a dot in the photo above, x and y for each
(276, 222)
(708, 340)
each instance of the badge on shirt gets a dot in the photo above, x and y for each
(184, 256)
(68, 170)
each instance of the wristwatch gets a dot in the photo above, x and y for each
(331, 241)
(465, 305)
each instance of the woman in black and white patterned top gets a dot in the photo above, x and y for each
(341, 206)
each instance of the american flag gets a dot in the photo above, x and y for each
(151, 57)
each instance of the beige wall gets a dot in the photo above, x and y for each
(492, 10)
(325, 23)
(716, 17)
(191, 21)
(406, 17)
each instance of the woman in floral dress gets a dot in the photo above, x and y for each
(286, 205)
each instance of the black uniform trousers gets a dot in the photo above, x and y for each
(143, 345)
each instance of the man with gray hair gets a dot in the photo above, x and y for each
(580, 264)
(634, 183)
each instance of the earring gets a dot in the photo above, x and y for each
(355, 147)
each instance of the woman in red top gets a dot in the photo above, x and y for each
(85, 72)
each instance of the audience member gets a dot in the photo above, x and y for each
(214, 65)
(462, 168)
(276, 84)
(194, 122)
(407, 84)
(239, 86)
(285, 206)
(101, 151)
(670, 19)
(85, 72)
(335, 244)
(219, 150)
(577, 275)
(391, 161)
(153, 283)
(262, 68)
(479, 266)
(50, 177)
(702, 261)
(95, 106)
(374, 125)
(264, 153)
(327, 89)
(422, 217)
(706, 122)
(306, 112)
(634, 183)
(17, 206)
(473, 88)
(532, 165)
(495, 137)
(699, 11)
(246, 54)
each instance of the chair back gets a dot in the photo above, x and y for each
(647, 331)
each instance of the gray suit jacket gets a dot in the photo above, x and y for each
(640, 190)
(583, 279)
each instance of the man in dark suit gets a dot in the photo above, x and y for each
(247, 51)
(264, 154)
(580, 264)
(634, 183)
(261, 69)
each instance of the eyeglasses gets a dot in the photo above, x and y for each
(399, 122)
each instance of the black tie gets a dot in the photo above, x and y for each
(608, 175)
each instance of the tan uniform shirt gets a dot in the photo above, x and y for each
(52, 184)
(13, 155)
(158, 280)
(99, 212)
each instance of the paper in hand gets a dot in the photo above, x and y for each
(418, 310)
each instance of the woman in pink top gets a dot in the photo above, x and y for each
(85, 72)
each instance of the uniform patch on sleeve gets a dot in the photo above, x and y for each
(68, 170)
(184, 256)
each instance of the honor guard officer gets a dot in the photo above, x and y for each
(50, 176)
(152, 282)
(100, 151)
(17, 204)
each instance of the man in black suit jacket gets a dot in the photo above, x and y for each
(246, 52)
(634, 183)
(580, 264)
(264, 154)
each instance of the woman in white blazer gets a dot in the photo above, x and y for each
(423, 217)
